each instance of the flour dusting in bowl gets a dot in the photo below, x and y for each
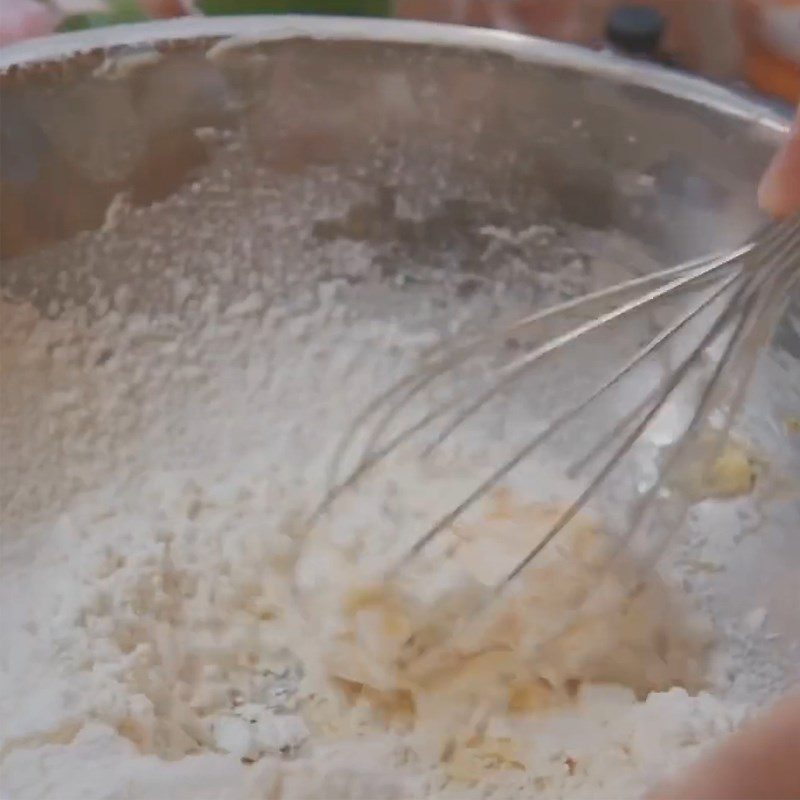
(176, 377)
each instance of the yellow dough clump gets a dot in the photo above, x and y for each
(433, 647)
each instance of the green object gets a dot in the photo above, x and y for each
(349, 8)
(119, 12)
(74, 22)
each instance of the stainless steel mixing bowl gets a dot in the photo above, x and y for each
(405, 140)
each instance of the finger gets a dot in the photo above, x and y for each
(759, 762)
(779, 192)
(24, 19)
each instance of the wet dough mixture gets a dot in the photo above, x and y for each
(430, 650)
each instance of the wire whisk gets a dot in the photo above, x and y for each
(728, 307)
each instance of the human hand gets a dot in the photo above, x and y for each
(761, 761)
(779, 193)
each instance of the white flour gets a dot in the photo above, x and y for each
(152, 645)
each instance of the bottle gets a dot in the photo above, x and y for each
(636, 31)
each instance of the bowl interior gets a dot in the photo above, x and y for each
(201, 232)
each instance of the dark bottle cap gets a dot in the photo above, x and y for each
(635, 30)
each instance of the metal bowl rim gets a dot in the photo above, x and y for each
(253, 29)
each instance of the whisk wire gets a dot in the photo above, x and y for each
(555, 426)
(746, 300)
(626, 445)
(694, 272)
(418, 380)
(785, 237)
(519, 367)
(689, 274)
(780, 241)
(751, 283)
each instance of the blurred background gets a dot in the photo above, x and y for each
(751, 43)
